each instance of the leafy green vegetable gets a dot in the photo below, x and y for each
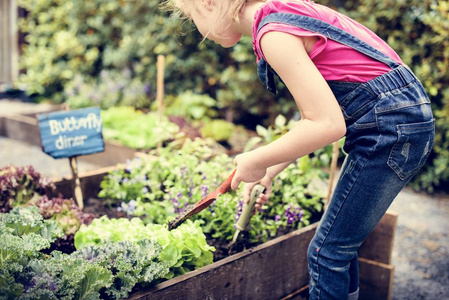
(22, 221)
(64, 212)
(23, 234)
(218, 130)
(63, 276)
(20, 186)
(107, 271)
(131, 263)
(193, 106)
(184, 249)
(136, 129)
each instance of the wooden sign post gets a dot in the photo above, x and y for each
(70, 134)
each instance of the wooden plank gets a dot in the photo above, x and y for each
(268, 271)
(301, 294)
(114, 153)
(379, 244)
(22, 128)
(273, 270)
(376, 280)
(2, 126)
(89, 182)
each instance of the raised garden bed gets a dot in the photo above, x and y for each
(276, 269)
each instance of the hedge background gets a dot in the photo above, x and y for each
(104, 53)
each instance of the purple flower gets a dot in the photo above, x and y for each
(190, 189)
(176, 205)
(183, 171)
(239, 207)
(204, 190)
(129, 207)
(293, 214)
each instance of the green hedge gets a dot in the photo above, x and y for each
(97, 52)
(104, 53)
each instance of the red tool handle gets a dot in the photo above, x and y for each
(222, 189)
(202, 204)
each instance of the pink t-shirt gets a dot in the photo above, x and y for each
(335, 61)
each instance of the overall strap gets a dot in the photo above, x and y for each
(332, 32)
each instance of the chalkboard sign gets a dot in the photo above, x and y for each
(71, 133)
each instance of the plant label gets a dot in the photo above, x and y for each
(71, 133)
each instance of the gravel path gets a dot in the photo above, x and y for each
(421, 246)
(21, 154)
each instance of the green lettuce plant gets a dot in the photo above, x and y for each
(136, 129)
(183, 249)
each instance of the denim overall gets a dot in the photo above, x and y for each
(390, 133)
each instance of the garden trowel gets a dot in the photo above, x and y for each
(247, 212)
(200, 205)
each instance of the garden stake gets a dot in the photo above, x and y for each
(160, 90)
(200, 205)
(247, 212)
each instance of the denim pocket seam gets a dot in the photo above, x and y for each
(404, 133)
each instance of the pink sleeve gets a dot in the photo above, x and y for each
(317, 48)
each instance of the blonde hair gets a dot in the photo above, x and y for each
(234, 8)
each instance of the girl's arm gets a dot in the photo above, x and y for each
(321, 121)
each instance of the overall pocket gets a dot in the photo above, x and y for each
(412, 148)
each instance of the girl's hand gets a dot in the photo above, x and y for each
(248, 169)
(264, 197)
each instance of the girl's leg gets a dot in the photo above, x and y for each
(388, 145)
(365, 190)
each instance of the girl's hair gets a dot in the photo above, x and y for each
(236, 8)
(233, 8)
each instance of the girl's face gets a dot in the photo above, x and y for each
(220, 30)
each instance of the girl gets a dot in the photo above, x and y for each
(345, 81)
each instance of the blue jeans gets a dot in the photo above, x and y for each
(390, 132)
